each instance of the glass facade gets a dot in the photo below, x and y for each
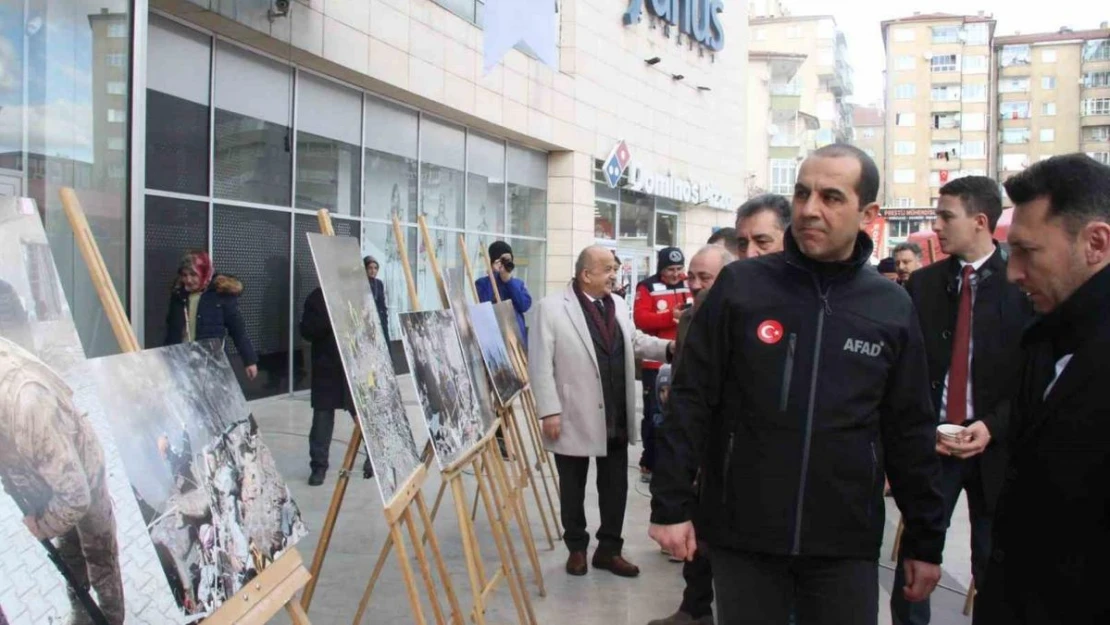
(64, 70)
(243, 149)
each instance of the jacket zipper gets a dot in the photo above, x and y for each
(874, 471)
(728, 461)
(821, 314)
(788, 372)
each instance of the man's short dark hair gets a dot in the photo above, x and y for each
(771, 202)
(867, 188)
(1076, 185)
(722, 235)
(908, 246)
(979, 195)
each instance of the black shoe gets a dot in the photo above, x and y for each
(367, 470)
(317, 477)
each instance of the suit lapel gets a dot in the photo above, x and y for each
(578, 320)
(1075, 378)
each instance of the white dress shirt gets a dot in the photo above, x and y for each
(975, 266)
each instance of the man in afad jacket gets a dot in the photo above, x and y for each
(803, 377)
(660, 300)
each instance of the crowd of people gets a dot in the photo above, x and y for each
(803, 378)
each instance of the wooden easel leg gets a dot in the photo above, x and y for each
(526, 470)
(470, 554)
(457, 616)
(510, 571)
(439, 498)
(969, 602)
(897, 540)
(515, 501)
(542, 458)
(425, 570)
(406, 573)
(537, 435)
(474, 507)
(378, 566)
(297, 613)
(331, 517)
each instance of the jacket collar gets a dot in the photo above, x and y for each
(860, 255)
(996, 264)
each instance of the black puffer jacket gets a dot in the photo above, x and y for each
(801, 383)
(218, 316)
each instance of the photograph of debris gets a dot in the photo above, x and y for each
(459, 290)
(214, 503)
(89, 532)
(506, 381)
(514, 342)
(443, 383)
(386, 429)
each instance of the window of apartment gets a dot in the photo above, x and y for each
(905, 120)
(974, 121)
(117, 31)
(975, 149)
(117, 116)
(946, 34)
(903, 202)
(1048, 56)
(1013, 110)
(1098, 133)
(1098, 50)
(1015, 135)
(116, 59)
(946, 121)
(1048, 108)
(975, 93)
(945, 93)
(1102, 157)
(906, 91)
(793, 32)
(1096, 106)
(904, 176)
(905, 63)
(943, 63)
(116, 87)
(975, 64)
(905, 148)
(977, 34)
(1013, 85)
(784, 173)
(904, 34)
(1048, 135)
(868, 133)
(1048, 82)
(1096, 79)
(1014, 162)
(1015, 55)
(945, 150)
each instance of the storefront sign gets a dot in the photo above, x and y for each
(877, 231)
(698, 19)
(897, 214)
(644, 180)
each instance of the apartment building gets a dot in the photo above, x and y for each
(817, 87)
(1053, 96)
(869, 135)
(938, 94)
(780, 133)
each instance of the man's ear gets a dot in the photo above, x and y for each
(1097, 246)
(868, 214)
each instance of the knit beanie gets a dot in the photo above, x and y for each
(497, 249)
(669, 257)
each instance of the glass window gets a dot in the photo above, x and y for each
(530, 257)
(389, 162)
(784, 172)
(1098, 50)
(253, 149)
(463, 8)
(666, 224)
(974, 93)
(904, 148)
(485, 201)
(1096, 106)
(636, 217)
(1013, 85)
(975, 149)
(1102, 157)
(527, 191)
(907, 91)
(1015, 55)
(605, 220)
(178, 63)
(172, 227)
(117, 143)
(443, 158)
(904, 119)
(1048, 108)
(116, 59)
(1096, 79)
(1098, 133)
(117, 31)
(377, 240)
(903, 202)
(1048, 135)
(1048, 82)
(975, 64)
(328, 128)
(945, 93)
(946, 34)
(1015, 135)
(117, 116)
(904, 176)
(253, 245)
(943, 63)
(445, 244)
(978, 34)
(1013, 110)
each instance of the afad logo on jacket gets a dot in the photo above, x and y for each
(864, 348)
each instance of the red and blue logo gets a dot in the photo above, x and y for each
(617, 163)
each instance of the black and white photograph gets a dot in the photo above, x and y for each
(510, 333)
(386, 429)
(210, 493)
(72, 531)
(458, 290)
(506, 382)
(443, 383)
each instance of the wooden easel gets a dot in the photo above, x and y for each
(508, 415)
(397, 512)
(277, 585)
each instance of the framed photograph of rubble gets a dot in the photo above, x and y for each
(458, 290)
(386, 429)
(443, 383)
(89, 531)
(510, 332)
(209, 491)
(506, 381)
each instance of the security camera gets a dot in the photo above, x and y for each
(278, 8)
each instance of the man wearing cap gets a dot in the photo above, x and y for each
(888, 269)
(511, 289)
(377, 288)
(660, 300)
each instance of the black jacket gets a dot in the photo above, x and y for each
(795, 428)
(1001, 312)
(377, 289)
(1051, 533)
(329, 381)
(218, 316)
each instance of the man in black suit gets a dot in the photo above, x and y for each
(972, 321)
(1051, 539)
(377, 289)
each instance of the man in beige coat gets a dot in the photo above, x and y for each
(584, 330)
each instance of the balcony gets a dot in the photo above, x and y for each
(950, 163)
(1094, 120)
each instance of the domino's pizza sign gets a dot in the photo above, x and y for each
(643, 180)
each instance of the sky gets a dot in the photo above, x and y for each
(860, 22)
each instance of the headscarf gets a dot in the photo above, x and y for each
(199, 262)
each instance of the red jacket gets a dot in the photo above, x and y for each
(653, 311)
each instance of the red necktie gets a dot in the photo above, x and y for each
(956, 411)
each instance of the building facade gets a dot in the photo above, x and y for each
(869, 134)
(242, 118)
(939, 120)
(780, 134)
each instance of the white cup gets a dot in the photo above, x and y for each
(950, 432)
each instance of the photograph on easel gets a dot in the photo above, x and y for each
(506, 382)
(510, 332)
(457, 286)
(213, 501)
(72, 530)
(386, 429)
(443, 383)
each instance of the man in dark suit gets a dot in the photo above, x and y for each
(1051, 538)
(972, 320)
(377, 289)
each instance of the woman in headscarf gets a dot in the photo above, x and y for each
(205, 305)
